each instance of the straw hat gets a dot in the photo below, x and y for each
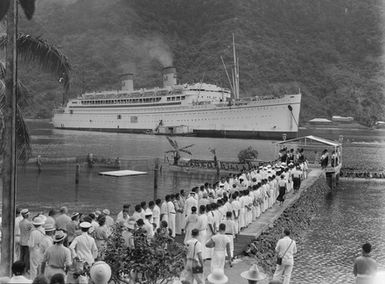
(24, 212)
(59, 236)
(217, 276)
(49, 227)
(106, 212)
(100, 272)
(253, 274)
(38, 221)
(131, 223)
(85, 225)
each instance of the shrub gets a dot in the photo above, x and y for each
(247, 155)
(156, 261)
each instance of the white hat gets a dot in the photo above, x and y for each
(38, 221)
(24, 211)
(106, 211)
(253, 274)
(217, 276)
(85, 225)
(100, 272)
(59, 236)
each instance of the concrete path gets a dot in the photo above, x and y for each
(269, 216)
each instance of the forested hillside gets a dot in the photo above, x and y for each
(330, 49)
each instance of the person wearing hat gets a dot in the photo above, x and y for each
(84, 247)
(63, 219)
(282, 189)
(73, 227)
(49, 233)
(101, 235)
(57, 258)
(109, 220)
(156, 212)
(194, 258)
(17, 233)
(100, 273)
(188, 204)
(127, 233)
(36, 248)
(253, 275)
(148, 227)
(217, 276)
(26, 227)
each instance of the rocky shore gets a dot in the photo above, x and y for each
(296, 217)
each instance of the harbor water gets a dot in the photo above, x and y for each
(349, 216)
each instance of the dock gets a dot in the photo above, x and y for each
(267, 219)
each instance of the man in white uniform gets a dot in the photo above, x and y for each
(286, 248)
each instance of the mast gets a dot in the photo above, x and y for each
(236, 72)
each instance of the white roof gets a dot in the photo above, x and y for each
(317, 119)
(312, 138)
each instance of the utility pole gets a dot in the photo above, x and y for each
(9, 155)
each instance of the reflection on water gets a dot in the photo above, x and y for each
(55, 186)
(349, 217)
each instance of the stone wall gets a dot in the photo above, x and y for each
(296, 218)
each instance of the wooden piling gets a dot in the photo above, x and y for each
(156, 172)
(77, 173)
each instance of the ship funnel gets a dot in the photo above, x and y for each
(169, 76)
(127, 81)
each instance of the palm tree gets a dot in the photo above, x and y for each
(15, 141)
(50, 59)
(176, 150)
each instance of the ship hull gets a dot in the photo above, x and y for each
(262, 119)
(273, 135)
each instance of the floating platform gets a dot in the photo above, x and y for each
(122, 173)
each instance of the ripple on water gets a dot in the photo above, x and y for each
(350, 216)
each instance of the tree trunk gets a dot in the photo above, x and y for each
(9, 154)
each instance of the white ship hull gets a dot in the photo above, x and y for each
(264, 118)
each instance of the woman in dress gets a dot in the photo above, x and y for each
(191, 223)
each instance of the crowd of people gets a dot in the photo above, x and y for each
(210, 217)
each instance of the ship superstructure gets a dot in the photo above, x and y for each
(200, 109)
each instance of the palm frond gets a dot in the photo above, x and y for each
(23, 147)
(185, 147)
(186, 151)
(212, 151)
(39, 51)
(172, 142)
(171, 151)
(2, 70)
(28, 8)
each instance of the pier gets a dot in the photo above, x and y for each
(263, 223)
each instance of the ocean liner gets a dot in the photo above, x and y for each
(183, 109)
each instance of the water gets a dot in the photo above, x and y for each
(350, 216)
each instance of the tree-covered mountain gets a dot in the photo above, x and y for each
(332, 50)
